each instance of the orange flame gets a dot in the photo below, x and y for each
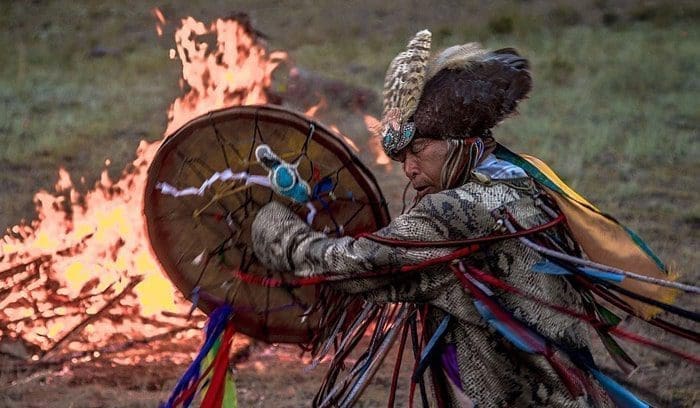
(88, 255)
(347, 140)
(374, 127)
(237, 72)
(314, 109)
(161, 20)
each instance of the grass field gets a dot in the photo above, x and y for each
(614, 108)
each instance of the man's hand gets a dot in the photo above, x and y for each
(272, 231)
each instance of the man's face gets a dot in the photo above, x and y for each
(422, 162)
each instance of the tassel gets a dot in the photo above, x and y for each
(620, 396)
(569, 376)
(428, 354)
(186, 387)
(215, 393)
(552, 268)
(527, 339)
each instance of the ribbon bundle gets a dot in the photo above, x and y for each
(209, 374)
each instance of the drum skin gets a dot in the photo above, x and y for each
(201, 243)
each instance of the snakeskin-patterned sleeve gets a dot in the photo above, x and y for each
(282, 241)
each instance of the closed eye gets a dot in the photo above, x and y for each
(417, 146)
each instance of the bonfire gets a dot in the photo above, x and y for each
(80, 282)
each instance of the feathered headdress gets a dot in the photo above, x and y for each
(462, 92)
(403, 85)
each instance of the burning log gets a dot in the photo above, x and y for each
(90, 319)
(112, 348)
(21, 282)
(33, 265)
(15, 269)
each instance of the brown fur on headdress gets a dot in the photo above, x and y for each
(461, 93)
(469, 91)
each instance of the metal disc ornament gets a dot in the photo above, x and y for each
(205, 186)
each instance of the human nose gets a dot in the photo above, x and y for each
(410, 167)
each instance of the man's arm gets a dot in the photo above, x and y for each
(282, 241)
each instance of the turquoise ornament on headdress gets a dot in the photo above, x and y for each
(395, 140)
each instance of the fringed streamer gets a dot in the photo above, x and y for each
(618, 354)
(185, 388)
(431, 348)
(675, 329)
(644, 341)
(690, 315)
(526, 339)
(514, 334)
(450, 365)
(493, 281)
(519, 334)
(329, 388)
(413, 322)
(532, 340)
(355, 332)
(346, 392)
(351, 338)
(620, 396)
(598, 274)
(655, 321)
(397, 364)
(224, 175)
(330, 338)
(572, 378)
(373, 365)
(608, 319)
(214, 397)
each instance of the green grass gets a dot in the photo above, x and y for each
(625, 94)
(615, 86)
(600, 82)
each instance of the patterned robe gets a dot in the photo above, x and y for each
(492, 372)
